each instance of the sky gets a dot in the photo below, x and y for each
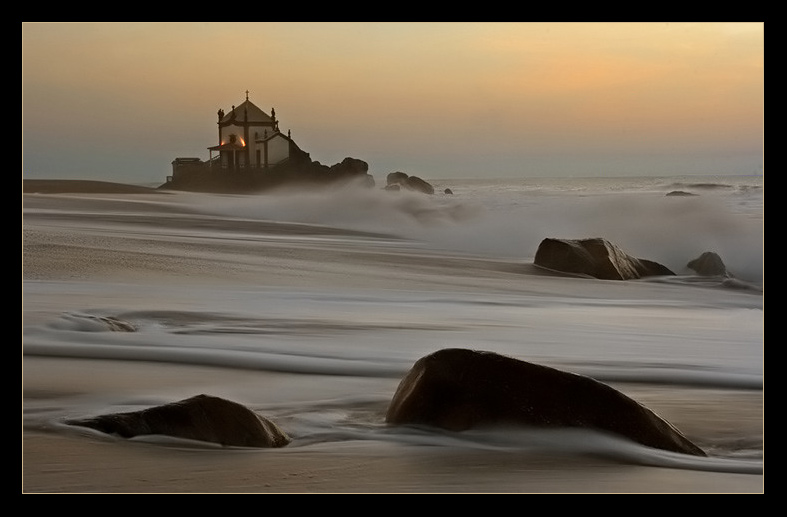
(118, 101)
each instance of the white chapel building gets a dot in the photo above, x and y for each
(250, 138)
(249, 144)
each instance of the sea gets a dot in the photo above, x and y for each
(337, 291)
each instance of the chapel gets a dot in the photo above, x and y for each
(252, 154)
(249, 144)
(250, 138)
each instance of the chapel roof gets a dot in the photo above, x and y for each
(255, 114)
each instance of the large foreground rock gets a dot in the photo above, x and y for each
(597, 258)
(459, 389)
(203, 417)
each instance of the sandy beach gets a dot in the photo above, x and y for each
(59, 460)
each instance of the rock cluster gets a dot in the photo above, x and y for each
(298, 171)
(400, 180)
(451, 389)
(599, 258)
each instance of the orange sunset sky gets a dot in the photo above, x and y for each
(119, 101)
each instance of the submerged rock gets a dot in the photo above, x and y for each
(597, 258)
(202, 417)
(680, 193)
(459, 389)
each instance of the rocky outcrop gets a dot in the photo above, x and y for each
(203, 417)
(597, 258)
(709, 264)
(400, 180)
(299, 170)
(395, 178)
(459, 389)
(350, 169)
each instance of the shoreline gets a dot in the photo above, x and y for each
(62, 186)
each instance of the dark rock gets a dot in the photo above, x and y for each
(350, 168)
(597, 258)
(709, 264)
(420, 185)
(408, 182)
(395, 178)
(203, 417)
(680, 193)
(299, 170)
(448, 191)
(459, 389)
